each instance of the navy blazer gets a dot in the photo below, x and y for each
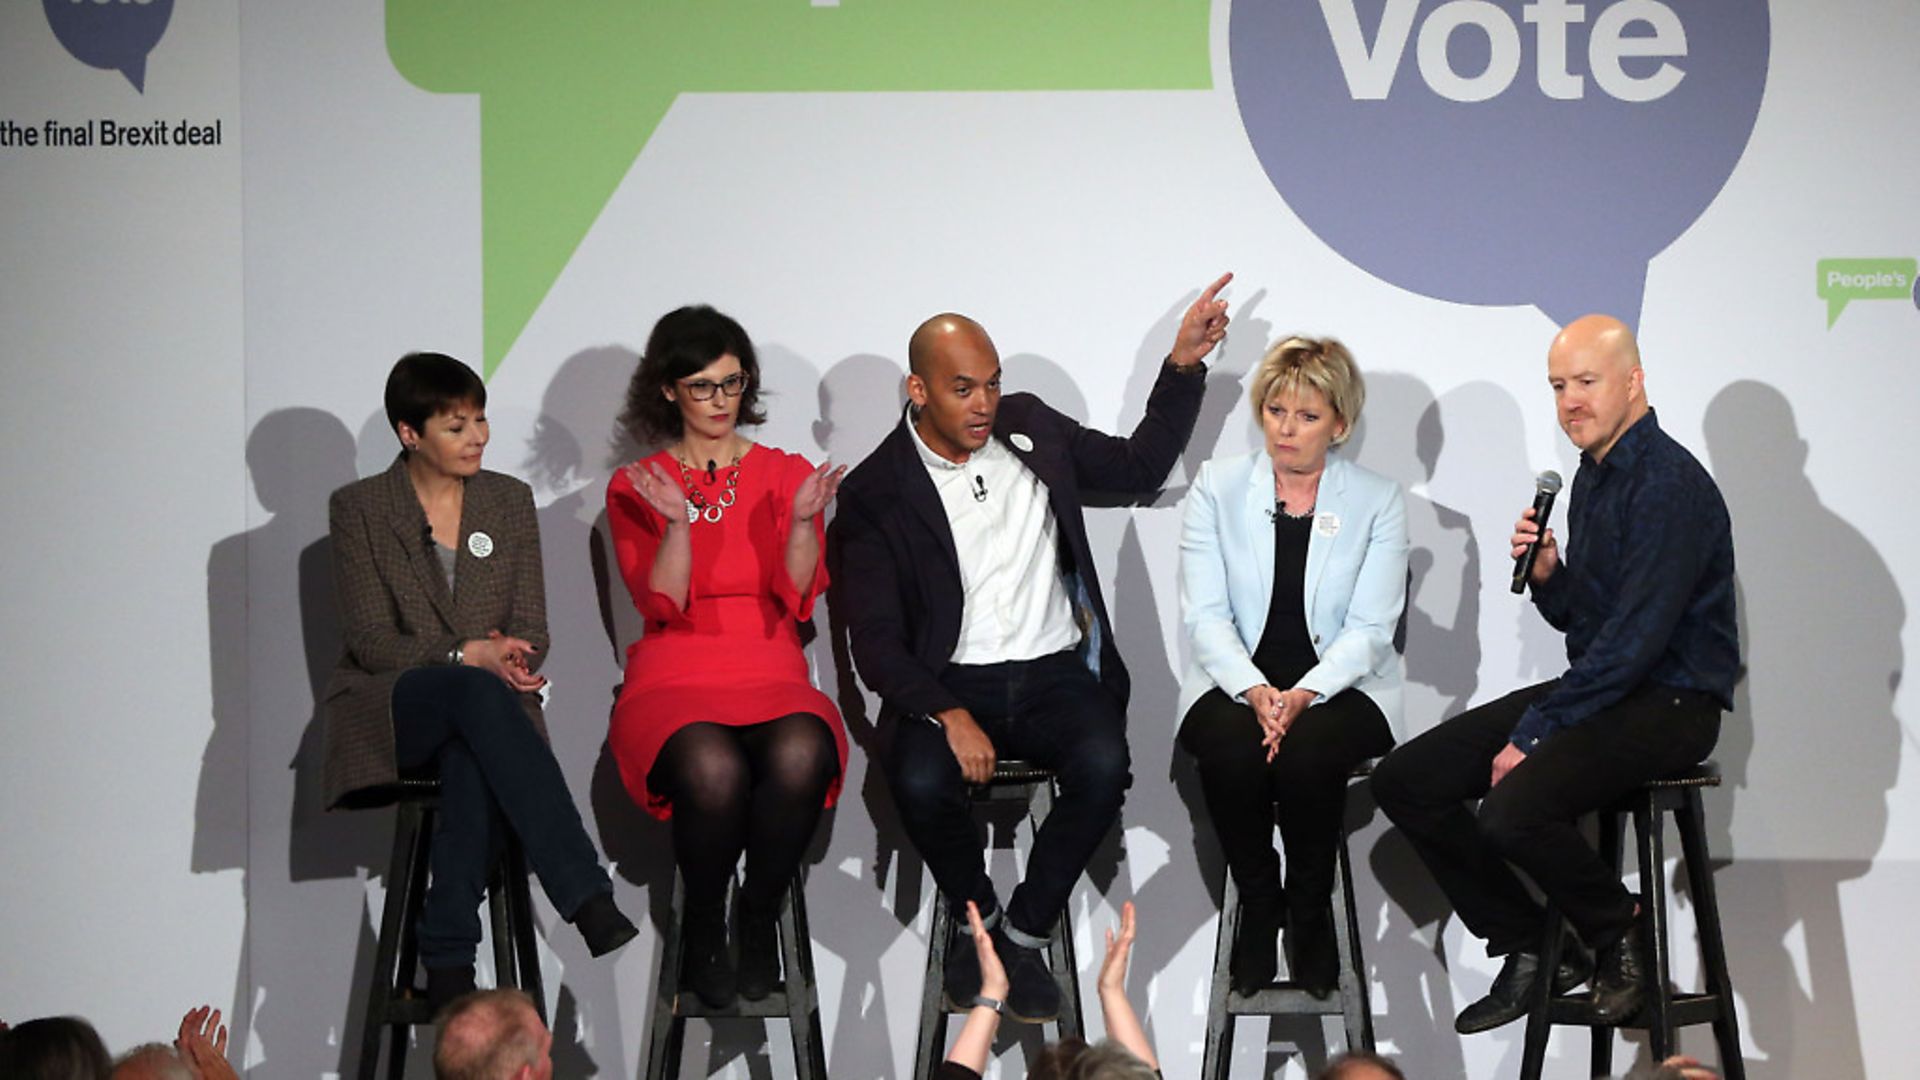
(896, 573)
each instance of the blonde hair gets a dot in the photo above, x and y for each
(1321, 363)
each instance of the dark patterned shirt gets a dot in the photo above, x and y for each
(1644, 591)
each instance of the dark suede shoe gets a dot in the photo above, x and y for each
(704, 965)
(1620, 978)
(1313, 958)
(602, 925)
(1255, 961)
(446, 984)
(962, 982)
(1032, 995)
(759, 952)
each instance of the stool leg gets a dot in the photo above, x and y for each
(1216, 1057)
(1611, 850)
(668, 1028)
(932, 1042)
(1653, 903)
(1355, 1008)
(1533, 1055)
(1060, 953)
(1713, 948)
(393, 953)
(803, 998)
(520, 926)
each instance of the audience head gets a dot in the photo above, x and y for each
(492, 1035)
(1598, 385)
(693, 351)
(53, 1048)
(1361, 1065)
(953, 381)
(1073, 1059)
(152, 1061)
(1307, 395)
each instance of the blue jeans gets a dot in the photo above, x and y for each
(1050, 711)
(496, 772)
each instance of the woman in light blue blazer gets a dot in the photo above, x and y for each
(1293, 574)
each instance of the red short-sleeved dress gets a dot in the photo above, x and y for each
(733, 655)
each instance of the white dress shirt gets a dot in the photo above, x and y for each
(1016, 606)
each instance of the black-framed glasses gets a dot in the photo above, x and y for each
(702, 389)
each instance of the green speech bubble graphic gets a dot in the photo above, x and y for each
(1842, 281)
(570, 90)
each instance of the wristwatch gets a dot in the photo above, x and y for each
(982, 1001)
(458, 654)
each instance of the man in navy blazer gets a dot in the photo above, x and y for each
(962, 568)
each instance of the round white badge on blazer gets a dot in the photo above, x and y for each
(1327, 524)
(1021, 442)
(480, 544)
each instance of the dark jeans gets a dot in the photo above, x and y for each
(1049, 711)
(1531, 819)
(1304, 788)
(495, 772)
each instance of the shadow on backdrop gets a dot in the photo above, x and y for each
(1812, 747)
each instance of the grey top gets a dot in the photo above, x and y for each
(447, 557)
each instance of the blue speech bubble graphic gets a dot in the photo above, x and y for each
(115, 35)
(1501, 151)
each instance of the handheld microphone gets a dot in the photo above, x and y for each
(1545, 487)
(979, 488)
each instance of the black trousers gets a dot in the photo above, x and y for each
(1304, 788)
(496, 772)
(1050, 711)
(1531, 820)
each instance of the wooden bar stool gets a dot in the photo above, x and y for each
(393, 1001)
(797, 1001)
(1284, 998)
(1664, 1011)
(1012, 782)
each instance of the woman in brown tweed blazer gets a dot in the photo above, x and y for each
(437, 569)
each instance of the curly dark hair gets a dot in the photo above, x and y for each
(684, 341)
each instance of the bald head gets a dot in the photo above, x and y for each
(492, 1035)
(941, 336)
(1598, 385)
(1601, 337)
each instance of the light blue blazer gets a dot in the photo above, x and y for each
(1356, 582)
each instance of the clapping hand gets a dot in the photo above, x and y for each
(815, 492)
(1113, 970)
(660, 490)
(202, 1044)
(1202, 327)
(993, 974)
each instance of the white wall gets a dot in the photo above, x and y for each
(168, 603)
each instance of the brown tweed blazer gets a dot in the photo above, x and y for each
(396, 612)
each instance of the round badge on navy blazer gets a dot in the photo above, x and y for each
(479, 544)
(1021, 442)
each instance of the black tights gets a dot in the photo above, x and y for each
(758, 788)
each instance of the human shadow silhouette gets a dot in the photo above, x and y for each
(1824, 660)
(274, 640)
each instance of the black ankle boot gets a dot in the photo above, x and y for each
(1619, 978)
(704, 964)
(1313, 955)
(759, 951)
(602, 925)
(1255, 961)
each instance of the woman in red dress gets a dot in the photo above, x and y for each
(718, 727)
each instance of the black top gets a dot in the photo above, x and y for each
(1645, 588)
(1285, 652)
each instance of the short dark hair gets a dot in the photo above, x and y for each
(54, 1048)
(423, 385)
(684, 341)
(1340, 1066)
